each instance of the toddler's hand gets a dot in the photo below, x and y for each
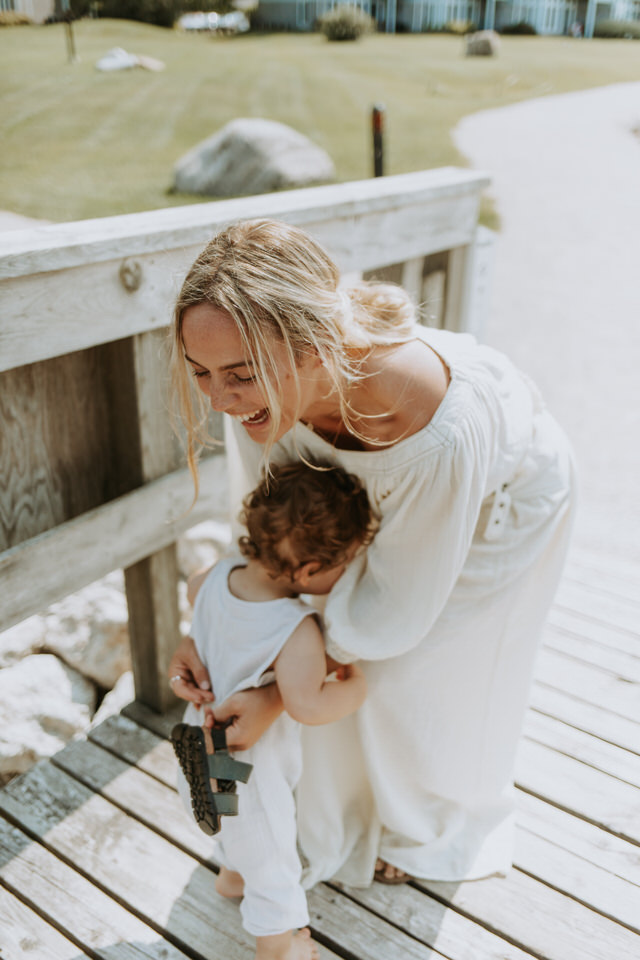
(346, 671)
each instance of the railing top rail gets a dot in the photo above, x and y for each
(59, 246)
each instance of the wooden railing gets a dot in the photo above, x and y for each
(90, 472)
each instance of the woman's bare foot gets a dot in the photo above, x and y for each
(387, 873)
(229, 883)
(287, 946)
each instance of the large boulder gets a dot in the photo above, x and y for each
(484, 43)
(89, 630)
(250, 156)
(43, 705)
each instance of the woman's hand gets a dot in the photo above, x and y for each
(251, 712)
(188, 675)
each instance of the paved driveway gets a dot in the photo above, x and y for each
(566, 290)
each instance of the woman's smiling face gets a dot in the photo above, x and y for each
(224, 372)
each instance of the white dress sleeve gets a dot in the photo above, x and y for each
(390, 596)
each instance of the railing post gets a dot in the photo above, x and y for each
(152, 584)
(459, 285)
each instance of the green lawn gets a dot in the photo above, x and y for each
(77, 143)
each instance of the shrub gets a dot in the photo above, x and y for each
(161, 13)
(345, 22)
(614, 29)
(460, 27)
(9, 18)
(521, 29)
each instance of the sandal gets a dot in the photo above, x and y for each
(200, 768)
(379, 877)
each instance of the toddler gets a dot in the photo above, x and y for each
(250, 627)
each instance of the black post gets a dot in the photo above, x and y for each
(67, 16)
(71, 45)
(377, 122)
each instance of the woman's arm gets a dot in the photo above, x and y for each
(188, 675)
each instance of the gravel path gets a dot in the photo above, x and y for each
(566, 286)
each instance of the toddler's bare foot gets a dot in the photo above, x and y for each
(387, 873)
(303, 947)
(229, 883)
(285, 946)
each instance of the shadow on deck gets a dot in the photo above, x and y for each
(97, 858)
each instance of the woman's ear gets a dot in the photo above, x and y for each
(303, 575)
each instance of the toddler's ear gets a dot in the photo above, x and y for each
(303, 575)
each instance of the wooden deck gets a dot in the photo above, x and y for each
(98, 859)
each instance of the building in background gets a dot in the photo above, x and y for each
(416, 16)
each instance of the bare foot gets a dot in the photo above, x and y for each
(387, 873)
(285, 946)
(229, 883)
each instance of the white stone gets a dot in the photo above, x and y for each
(117, 59)
(202, 546)
(21, 640)
(122, 694)
(251, 156)
(43, 705)
(484, 43)
(89, 630)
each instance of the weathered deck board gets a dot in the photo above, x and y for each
(23, 933)
(78, 907)
(97, 858)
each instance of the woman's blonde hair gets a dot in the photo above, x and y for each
(280, 286)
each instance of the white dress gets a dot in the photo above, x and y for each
(238, 641)
(445, 609)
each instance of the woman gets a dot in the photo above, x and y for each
(471, 479)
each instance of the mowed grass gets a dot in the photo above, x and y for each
(78, 143)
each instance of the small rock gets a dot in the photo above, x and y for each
(117, 59)
(43, 704)
(122, 694)
(484, 43)
(250, 156)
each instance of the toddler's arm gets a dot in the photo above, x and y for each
(301, 671)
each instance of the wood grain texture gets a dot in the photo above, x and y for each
(431, 922)
(606, 689)
(586, 791)
(72, 244)
(152, 583)
(56, 459)
(590, 750)
(139, 746)
(26, 936)
(49, 280)
(582, 715)
(537, 918)
(58, 894)
(110, 537)
(584, 840)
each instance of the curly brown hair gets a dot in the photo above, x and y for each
(305, 512)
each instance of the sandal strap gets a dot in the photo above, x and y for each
(226, 804)
(222, 766)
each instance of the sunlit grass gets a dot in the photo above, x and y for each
(78, 143)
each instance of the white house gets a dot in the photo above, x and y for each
(36, 10)
(415, 16)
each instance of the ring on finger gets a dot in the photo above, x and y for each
(172, 680)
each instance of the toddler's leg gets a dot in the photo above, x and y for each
(287, 946)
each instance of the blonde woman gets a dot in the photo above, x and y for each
(471, 481)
